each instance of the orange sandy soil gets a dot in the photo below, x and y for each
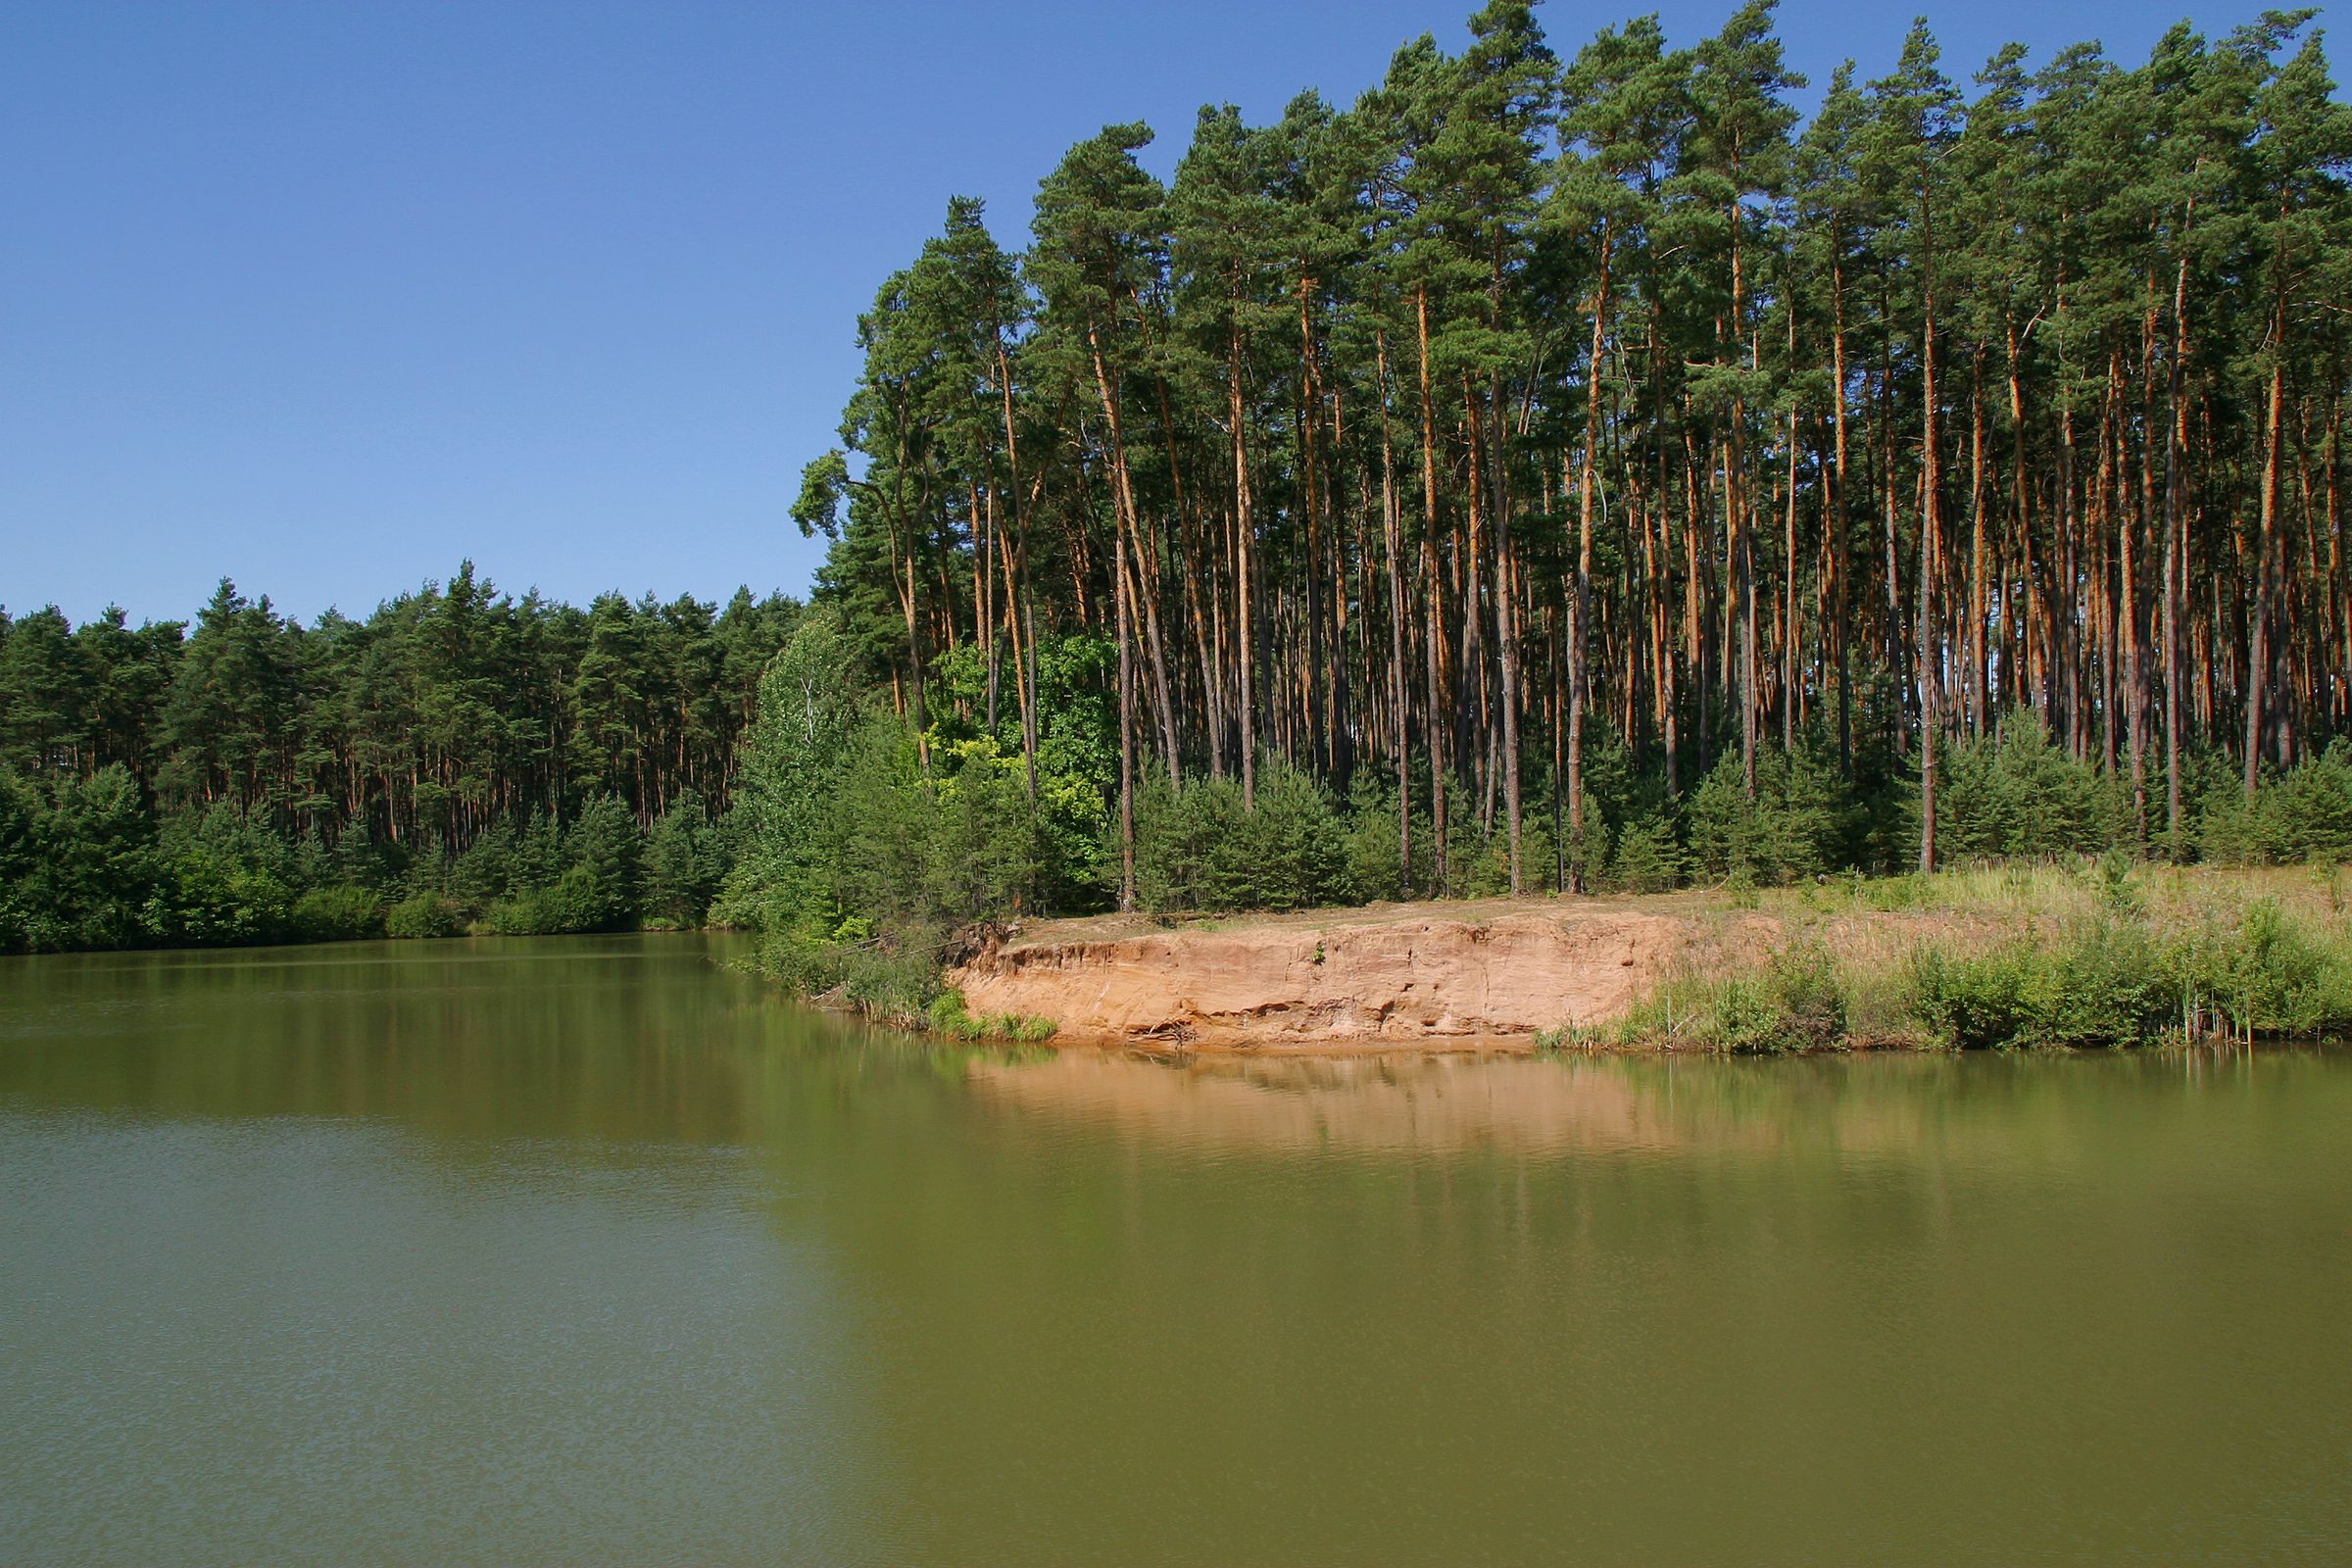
(1487, 974)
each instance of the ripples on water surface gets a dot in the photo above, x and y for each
(591, 1249)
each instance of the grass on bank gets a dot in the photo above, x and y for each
(948, 1016)
(2096, 955)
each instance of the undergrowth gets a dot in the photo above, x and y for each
(947, 1017)
(1796, 1001)
(2097, 964)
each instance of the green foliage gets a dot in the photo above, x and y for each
(1788, 830)
(1368, 842)
(791, 760)
(572, 903)
(880, 978)
(1077, 752)
(195, 784)
(2304, 813)
(685, 860)
(606, 848)
(1199, 847)
(488, 867)
(947, 1015)
(2267, 976)
(597, 889)
(2015, 795)
(337, 915)
(2102, 984)
(424, 914)
(79, 866)
(1483, 860)
(1796, 1001)
(2119, 975)
(1647, 859)
(865, 851)
(2106, 980)
(208, 902)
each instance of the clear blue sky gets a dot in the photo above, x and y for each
(329, 296)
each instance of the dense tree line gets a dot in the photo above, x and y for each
(1589, 466)
(460, 756)
(1578, 471)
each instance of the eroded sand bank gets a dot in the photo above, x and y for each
(1403, 975)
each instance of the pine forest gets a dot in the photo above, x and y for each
(1549, 436)
(1608, 468)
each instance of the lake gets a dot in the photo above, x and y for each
(594, 1250)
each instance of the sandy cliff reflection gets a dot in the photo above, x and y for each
(1369, 1104)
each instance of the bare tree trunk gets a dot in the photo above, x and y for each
(1506, 652)
(1435, 588)
(1393, 525)
(2258, 645)
(1126, 734)
(1580, 598)
(1245, 573)
(1931, 551)
(2176, 446)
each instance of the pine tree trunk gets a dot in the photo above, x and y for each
(1437, 715)
(1393, 526)
(1580, 600)
(1245, 573)
(2258, 647)
(1931, 549)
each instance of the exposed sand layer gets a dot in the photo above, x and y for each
(1403, 975)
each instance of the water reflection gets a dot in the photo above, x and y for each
(1392, 1103)
(1897, 1106)
(597, 1251)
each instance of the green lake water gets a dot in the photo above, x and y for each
(594, 1251)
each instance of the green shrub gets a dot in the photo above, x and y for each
(2304, 813)
(947, 1015)
(876, 975)
(424, 914)
(1647, 859)
(582, 900)
(2018, 795)
(2105, 983)
(1187, 846)
(597, 890)
(1974, 1003)
(685, 860)
(338, 914)
(1788, 830)
(204, 901)
(1482, 856)
(78, 864)
(1796, 1001)
(485, 871)
(1368, 847)
(1199, 847)
(2265, 977)
(1295, 840)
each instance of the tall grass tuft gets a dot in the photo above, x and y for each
(947, 1015)
(1796, 1001)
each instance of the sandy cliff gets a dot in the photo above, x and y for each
(1400, 975)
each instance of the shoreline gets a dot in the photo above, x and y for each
(2026, 957)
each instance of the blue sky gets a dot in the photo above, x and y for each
(327, 297)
